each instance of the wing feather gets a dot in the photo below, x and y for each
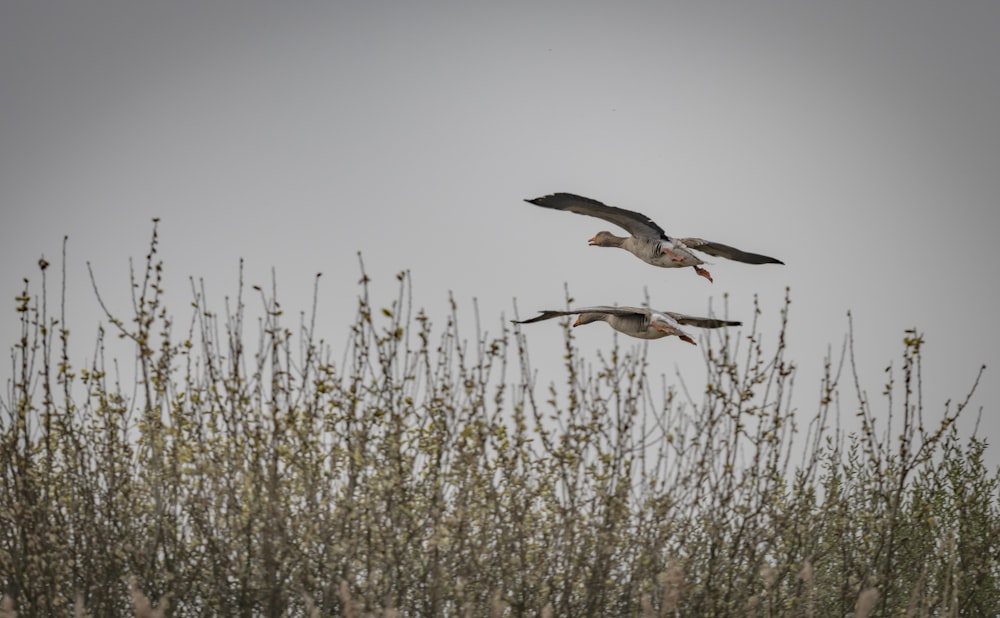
(545, 315)
(548, 314)
(690, 320)
(635, 223)
(730, 253)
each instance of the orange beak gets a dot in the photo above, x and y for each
(592, 241)
(576, 323)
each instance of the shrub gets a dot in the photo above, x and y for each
(426, 474)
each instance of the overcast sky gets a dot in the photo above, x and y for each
(859, 142)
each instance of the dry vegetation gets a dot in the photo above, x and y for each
(421, 473)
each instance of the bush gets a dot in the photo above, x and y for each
(427, 475)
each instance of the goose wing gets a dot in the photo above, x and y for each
(690, 320)
(635, 223)
(619, 311)
(730, 253)
(544, 315)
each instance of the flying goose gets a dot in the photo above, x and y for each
(636, 321)
(648, 241)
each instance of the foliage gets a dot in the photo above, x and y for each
(426, 474)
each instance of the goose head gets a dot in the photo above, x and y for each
(605, 239)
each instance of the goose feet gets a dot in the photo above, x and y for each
(704, 273)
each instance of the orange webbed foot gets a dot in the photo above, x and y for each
(688, 339)
(704, 273)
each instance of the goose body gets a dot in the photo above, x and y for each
(647, 240)
(636, 321)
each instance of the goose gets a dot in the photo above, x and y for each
(648, 241)
(636, 321)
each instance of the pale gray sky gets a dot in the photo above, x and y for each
(858, 142)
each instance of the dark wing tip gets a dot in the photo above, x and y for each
(754, 258)
(730, 253)
(544, 315)
(553, 199)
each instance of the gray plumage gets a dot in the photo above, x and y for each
(636, 321)
(648, 241)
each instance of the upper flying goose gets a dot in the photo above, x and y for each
(636, 321)
(648, 241)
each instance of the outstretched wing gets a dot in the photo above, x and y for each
(730, 253)
(620, 311)
(690, 320)
(636, 224)
(545, 315)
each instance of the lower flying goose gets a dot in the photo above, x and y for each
(636, 321)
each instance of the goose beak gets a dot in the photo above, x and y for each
(592, 241)
(576, 323)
